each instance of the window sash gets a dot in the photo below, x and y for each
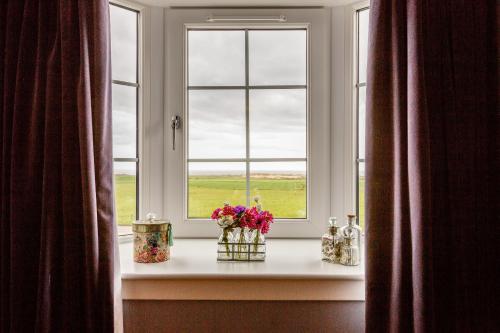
(136, 85)
(247, 87)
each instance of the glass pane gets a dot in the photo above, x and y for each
(212, 184)
(125, 192)
(361, 195)
(216, 58)
(124, 121)
(216, 124)
(123, 44)
(277, 57)
(281, 187)
(278, 123)
(361, 121)
(363, 43)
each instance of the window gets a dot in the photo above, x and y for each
(247, 120)
(361, 40)
(125, 94)
(253, 96)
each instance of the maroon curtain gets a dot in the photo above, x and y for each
(57, 222)
(432, 166)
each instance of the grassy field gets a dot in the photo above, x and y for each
(284, 196)
(125, 199)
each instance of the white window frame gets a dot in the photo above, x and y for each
(142, 103)
(318, 23)
(156, 108)
(354, 90)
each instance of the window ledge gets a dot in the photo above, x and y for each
(293, 270)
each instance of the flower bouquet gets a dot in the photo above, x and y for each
(248, 243)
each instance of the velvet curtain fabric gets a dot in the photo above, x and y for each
(432, 166)
(57, 231)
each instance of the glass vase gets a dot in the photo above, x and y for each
(225, 251)
(240, 245)
(257, 246)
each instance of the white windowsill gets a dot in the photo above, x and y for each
(293, 270)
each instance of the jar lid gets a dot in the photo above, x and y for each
(150, 224)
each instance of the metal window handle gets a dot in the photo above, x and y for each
(175, 124)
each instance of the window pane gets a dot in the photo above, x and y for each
(124, 121)
(216, 57)
(361, 122)
(216, 124)
(212, 184)
(363, 43)
(277, 57)
(278, 123)
(361, 195)
(125, 192)
(123, 44)
(281, 187)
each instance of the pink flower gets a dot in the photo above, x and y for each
(215, 214)
(264, 220)
(249, 218)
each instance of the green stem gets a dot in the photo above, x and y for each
(225, 240)
(256, 240)
(241, 241)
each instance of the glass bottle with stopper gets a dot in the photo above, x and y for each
(331, 242)
(350, 251)
(352, 231)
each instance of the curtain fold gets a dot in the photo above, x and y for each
(57, 232)
(432, 163)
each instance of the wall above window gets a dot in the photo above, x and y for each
(246, 3)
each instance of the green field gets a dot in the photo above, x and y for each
(283, 196)
(125, 199)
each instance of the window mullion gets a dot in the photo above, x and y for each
(247, 122)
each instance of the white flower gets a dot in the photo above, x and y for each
(225, 221)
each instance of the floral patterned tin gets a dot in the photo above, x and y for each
(152, 240)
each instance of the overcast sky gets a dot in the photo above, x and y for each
(217, 117)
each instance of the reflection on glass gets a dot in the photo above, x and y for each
(211, 184)
(125, 192)
(363, 43)
(361, 122)
(277, 57)
(278, 123)
(361, 195)
(123, 44)
(216, 124)
(216, 57)
(124, 121)
(281, 187)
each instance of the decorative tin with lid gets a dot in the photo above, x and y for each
(152, 239)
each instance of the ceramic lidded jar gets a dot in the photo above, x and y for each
(152, 239)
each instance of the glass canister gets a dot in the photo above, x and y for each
(331, 243)
(350, 252)
(152, 239)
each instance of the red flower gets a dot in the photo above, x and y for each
(228, 210)
(215, 214)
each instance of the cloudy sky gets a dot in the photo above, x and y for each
(277, 121)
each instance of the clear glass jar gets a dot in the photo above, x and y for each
(331, 243)
(240, 244)
(225, 250)
(350, 252)
(353, 231)
(258, 245)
